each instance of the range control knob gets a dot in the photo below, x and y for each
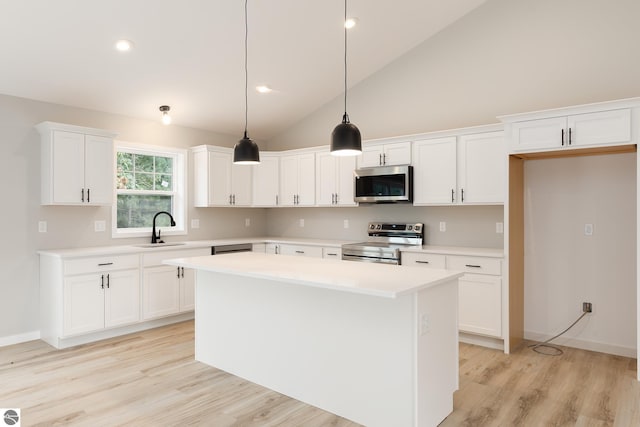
(417, 227)
(410, 227)
(372, 226)
(379, 227)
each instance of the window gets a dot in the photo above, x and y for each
(148, 180)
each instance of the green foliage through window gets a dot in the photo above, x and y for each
(144, 172)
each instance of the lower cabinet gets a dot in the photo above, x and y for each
(100, 300)
(168, 290)
(479, 290)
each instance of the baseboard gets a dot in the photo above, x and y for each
(20, 338)
(584, 344)
(481, 340)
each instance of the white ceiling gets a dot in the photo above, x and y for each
(189, 54)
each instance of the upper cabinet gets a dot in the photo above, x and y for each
(587, 126)
(334, 180)
(266, 181)
(297, 179)
(385, 154)
(217, 181)
(462, 169)
(77, 165)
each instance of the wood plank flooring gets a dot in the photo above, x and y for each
(151, 379)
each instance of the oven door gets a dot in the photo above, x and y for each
(386, 184)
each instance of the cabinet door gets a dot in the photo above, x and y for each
(266, 181)
(160, 292)
(219, 179)
(288, 180)
(306, 180)
(83, 309)
(67, 168)
(537, 135)
(122, 298)
(398, 153)
(326, 175)
(371, 156)
(345, 185)
(604, 127)
(480, 304)
(434, 172)
(241, 184)
(188, 290)
(98, 161)
(482, 168)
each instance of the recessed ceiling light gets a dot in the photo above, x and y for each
(264, 89)
(350, 22)
(124, 45)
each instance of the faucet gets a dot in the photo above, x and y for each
(154, 238)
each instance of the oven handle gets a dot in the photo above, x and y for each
(364, 258)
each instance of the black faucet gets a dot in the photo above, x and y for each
(154, 238)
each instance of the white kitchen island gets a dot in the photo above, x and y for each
(374, 343)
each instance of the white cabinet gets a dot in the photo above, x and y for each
(87, 294)
(167, 290)
(479, 290)
(334, 180)
(297, 180)
(76, 165)
(572, 131)
(217, 181)
(395, 153)
(259, 247)
(266, 181)
(300, 250)
(465, 169)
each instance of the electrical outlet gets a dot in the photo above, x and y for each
(499, 227)
(588, 229)
(301, 222)
(42, 226)
(99, 226)
(443, 226)
(195, 223)
(346, 223)
(247, 222)
(587, 307)
(425, 324)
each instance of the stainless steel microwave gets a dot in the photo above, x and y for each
(384, 184)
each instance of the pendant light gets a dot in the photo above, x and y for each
(345, 138)
(246, 151)
(166, 118)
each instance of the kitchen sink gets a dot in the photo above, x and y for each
(158, 245)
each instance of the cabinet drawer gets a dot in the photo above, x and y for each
(332, 253)
(423, 260)
(301, 250)
(479, 265)
(156, 258)
(101, 263)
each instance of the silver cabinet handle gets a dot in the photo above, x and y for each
(462, 195)
(108, 281)
(332, 254)
(473, 266)
(422, 262)
(380, 159)
(102, 281)
(562, 136)
(229, 198)
(102, 264)
(178, 275)
(82, 196)
(336, 198)
(299, 252)
(569, 136)
(384, 158)
(88, 195)
(452, 197)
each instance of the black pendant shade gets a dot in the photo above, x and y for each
(346, 139)
(246, 152)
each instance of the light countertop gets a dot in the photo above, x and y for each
(361, 278)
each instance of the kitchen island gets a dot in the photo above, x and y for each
(374, 343)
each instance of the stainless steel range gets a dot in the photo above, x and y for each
(384, 243)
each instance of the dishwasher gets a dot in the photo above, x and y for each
(227, 249)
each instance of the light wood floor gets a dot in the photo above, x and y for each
(151, 379)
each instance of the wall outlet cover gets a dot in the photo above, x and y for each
(443, 226)
(346, 223)
(499, 227)
(99, 226)
(42, 226)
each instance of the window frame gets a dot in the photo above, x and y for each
(179, 192)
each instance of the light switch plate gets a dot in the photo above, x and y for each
(443, 226)
(42, 226)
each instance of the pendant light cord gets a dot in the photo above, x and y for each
(246, 70)
(346, 117)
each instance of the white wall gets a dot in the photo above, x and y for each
(564, 267)
(473, 226)
(73, 226)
